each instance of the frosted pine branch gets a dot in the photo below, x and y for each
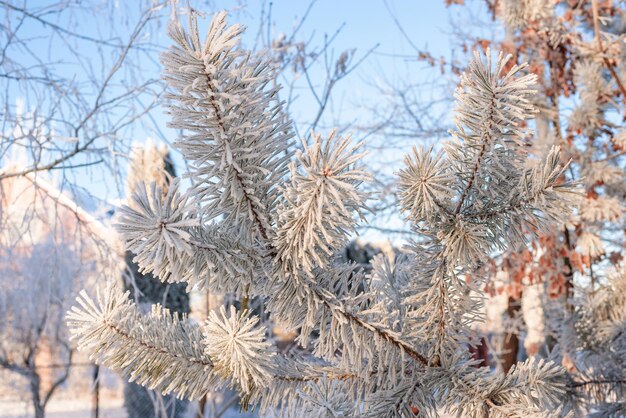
(157, 350)
(477, 172)
(171, 354)
(320, 203)
(157, 227)
(237, 138)
(385, 343)
(170, 243)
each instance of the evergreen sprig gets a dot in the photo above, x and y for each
(394, 341)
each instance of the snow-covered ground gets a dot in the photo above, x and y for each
(80, 408)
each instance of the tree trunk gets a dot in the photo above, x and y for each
(35, 386)
(139, 402)
(510, 346)
(95, 400)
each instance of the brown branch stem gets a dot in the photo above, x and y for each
(607, 63)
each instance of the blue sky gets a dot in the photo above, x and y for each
(364, 25)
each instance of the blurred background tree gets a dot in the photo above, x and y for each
(149, 164)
